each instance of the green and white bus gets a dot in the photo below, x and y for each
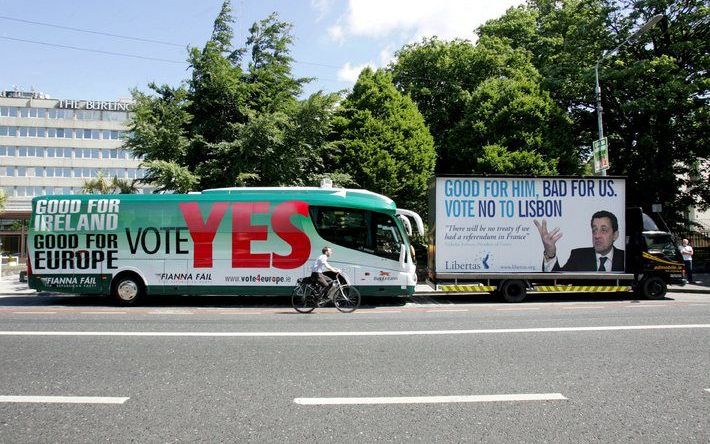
(235, 241)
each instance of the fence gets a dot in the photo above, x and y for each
(700, 241)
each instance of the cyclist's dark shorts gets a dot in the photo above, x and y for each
(322, 279)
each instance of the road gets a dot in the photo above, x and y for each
(198, 369)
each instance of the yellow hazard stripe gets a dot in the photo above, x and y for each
(467, 288)
(581, 288)
(658, 259)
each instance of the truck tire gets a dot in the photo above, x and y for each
(654, 287)
(127, 289)
(513, 291)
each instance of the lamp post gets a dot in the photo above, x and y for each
(597, 90)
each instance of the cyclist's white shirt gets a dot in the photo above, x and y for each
(319, 266)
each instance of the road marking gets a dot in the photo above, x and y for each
(707, 390)
(353, 333)
(103, 312)
(170, 312)
(448, 310)
(65, 399)
(583, 308)
(516, 309)
(375, 311)
(239, 313)
(34, 312)
(432, 399)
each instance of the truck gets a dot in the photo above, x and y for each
(514, 236)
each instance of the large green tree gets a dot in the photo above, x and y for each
(655, 90)
(488, 93)
(383, 142)
(238, 119)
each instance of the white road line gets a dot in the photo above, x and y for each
(65, 399)
(583, 308)
(377, 312)
(516, 309)
(707, 390)
(432, 399)
(704, 305)
(447, 310)
(170, 312)
(249, 334)
(104, 312)
(33, 312)
(239, 313)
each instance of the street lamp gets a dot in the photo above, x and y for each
(598, 91)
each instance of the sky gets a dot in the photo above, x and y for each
(333, 40)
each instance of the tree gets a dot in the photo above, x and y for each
(498, 160)
(483, 94)
(383, 141)
(235, 121)
(655, 90)
(3, 199)
(101, 185)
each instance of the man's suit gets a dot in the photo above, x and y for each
(585, 259)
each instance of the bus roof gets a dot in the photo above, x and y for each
(337, 197)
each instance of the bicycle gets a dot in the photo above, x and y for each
(308, 295)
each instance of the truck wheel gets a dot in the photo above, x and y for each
(127, 289)
(513, 291)
(654, 287)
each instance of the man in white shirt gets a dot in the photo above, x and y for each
(687, 251)
(320, 266)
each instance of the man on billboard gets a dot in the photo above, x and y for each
(603, 256)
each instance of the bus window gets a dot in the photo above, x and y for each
(387, 237)
(343, 226)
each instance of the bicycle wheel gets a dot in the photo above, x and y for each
(346, 298)
(303, 299)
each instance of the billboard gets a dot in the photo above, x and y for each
(527, 225)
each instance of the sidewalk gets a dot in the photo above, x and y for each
(700, 285)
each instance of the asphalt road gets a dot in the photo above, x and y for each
(218, 370)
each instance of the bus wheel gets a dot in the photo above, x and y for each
(654, 287)
(127, 289)
(512, 291)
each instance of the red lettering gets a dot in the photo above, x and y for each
(297, 239)
(202, 233)
(243, 233)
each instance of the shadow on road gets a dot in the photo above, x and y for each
(160, 301)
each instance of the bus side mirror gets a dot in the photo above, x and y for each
(402, 254)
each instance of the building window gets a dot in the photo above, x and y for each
(8, 111)
(7, 151)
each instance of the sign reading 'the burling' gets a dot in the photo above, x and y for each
(98, 105)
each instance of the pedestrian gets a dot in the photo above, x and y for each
(687, 251)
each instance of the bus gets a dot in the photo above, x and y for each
(226, 241)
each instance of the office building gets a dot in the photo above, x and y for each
(50, 146)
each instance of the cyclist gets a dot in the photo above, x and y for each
(320, 266)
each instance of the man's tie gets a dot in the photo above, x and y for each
(602, 261)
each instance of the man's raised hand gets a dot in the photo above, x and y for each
(549, 238)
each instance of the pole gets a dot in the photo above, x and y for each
(598, 93)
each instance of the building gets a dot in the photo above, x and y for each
(50, 146)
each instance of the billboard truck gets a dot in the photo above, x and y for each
(514, 235)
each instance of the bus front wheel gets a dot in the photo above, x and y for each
(127, 289)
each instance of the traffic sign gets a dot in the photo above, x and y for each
(601, 155)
